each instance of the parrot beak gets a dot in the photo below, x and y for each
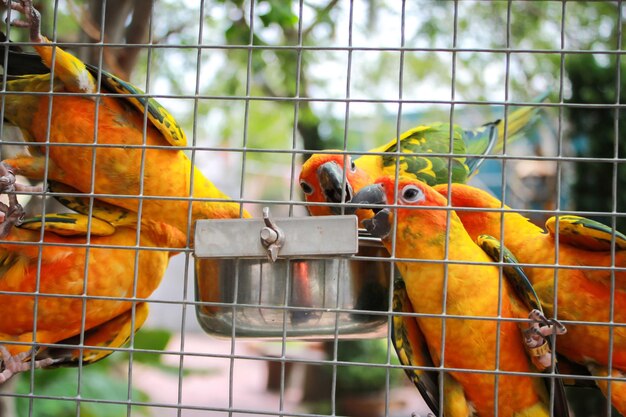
(380, 224)
(330, 177)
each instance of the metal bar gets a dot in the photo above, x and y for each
(333, 235)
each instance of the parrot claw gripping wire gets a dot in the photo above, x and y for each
(33, 18)
(272, 237)
(535, 338)
(12, 365)
(12, 214)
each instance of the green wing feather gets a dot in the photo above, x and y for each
(157, 114)
(524, 290)
(69, 224)
(514, 273)
(417, 143)
(468, 147)
(486, 137)
(585, 233)
(411, 347)
(114, 215)
(23, 65)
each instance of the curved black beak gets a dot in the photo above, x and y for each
(331, 179)
(380, 224)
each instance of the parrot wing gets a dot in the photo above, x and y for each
(417, 143)
(420, 141)
(480, 144)
(486, 135)
(585, 233)
(411, 347)
(435, 154)
(111, 334)
(157, 114)
(69, 224)
(512, 271)
(73, 73)
(523, 289)
(112, 214)
(20, 62)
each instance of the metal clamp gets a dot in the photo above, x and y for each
(272, 236)
(323, 236)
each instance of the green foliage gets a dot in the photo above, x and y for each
(355, 378)
(595, 134)
(98, 381)
(280, 13)
(105, 380)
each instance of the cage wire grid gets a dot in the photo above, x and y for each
(296, 152)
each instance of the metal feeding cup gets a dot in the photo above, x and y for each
(290, 277)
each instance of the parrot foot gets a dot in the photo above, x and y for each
(13, 213)
(536, 335)
(11, 365)
(33, 18)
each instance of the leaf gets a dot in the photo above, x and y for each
(280, 13)
(150, 339)
(98, 381)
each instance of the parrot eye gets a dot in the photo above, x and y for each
(412, 194)
(352, 166)
(306, 187)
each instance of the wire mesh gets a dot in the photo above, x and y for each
(259, 86)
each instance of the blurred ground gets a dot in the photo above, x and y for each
(211, 389)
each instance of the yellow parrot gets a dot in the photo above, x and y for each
(457, 280)
(582, 295)
(105, 133)
(74, 278)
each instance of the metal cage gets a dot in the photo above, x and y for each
(259, 86)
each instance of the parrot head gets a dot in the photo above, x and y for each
(322, 181)
(463, 195)
(475, 221)
(410, 192)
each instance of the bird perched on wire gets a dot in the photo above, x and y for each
(424, 150)
(105, 134)
(78, 277)
(579, 254)
(455, 278)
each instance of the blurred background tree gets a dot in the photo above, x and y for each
(598, 132)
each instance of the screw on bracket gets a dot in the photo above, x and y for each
(272, 237)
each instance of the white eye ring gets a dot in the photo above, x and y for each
(352, 166)
(306, 187)
(412, 194)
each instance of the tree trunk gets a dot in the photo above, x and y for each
(119, 60)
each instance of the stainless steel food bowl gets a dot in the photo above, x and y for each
(300, 296)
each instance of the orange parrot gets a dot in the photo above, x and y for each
(129, 159)
(423, 156)
(582, 295)
(464, 291)
(44, 278)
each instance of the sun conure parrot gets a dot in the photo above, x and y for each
(463, 291)
(322, 176)
(49, 274)
(582, 295)
(109, 135)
